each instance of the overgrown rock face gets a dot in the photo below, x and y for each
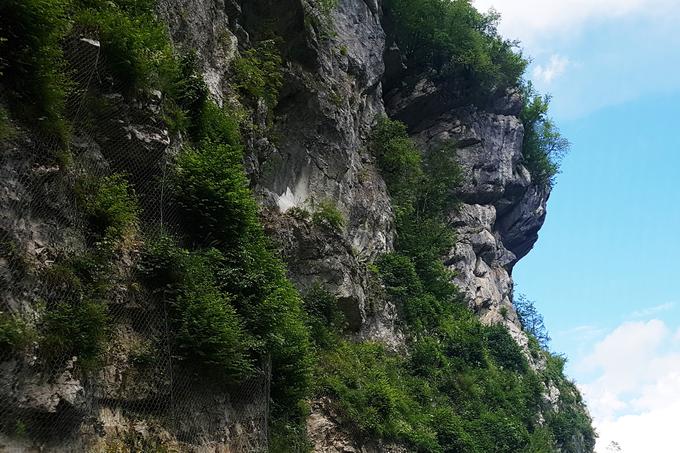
(318, 255)
(502, 209)
(205, 27)
(326, 436)
(316, 152)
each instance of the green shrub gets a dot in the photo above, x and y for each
(189, 90)
(211, 188)
(135, 46)
(62, 278)
(74, 328)
(327, 6)
(327, 215)
(288, 436)
(504, 350)
(463, 386)
(571, 426)
(455, 39)
(233, 307)
(399, 160)
(531, 320)
(299, 213)
(543, 147)
(423, 196)
(207, 327)
(110, 205)
(208, 331)
(399, 276)
(427, 357)
(325, 318)
(75, 318)
(499, 433)
(16, 335)
(161, 263)
(258, 72)
(281, 321)
(32, 63)
(371, 390)
(217, 126)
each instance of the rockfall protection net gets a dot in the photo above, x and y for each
(139, 397)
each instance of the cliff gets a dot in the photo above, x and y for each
(305, 154)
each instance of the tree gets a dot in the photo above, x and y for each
(544, 146)
(531, 320)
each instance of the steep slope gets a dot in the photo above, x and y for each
(287, 92)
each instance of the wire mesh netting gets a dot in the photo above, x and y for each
(140, 396)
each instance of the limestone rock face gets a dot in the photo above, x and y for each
(207, 27)
(502, 209)
(327, 435)
(317, 255)
(331, 96)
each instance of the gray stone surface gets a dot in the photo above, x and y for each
(502, 210)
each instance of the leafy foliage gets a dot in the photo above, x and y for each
(208, 330)
(16, 335)
(213, 193)
(324, 317)
(215, 124)
(211, 190)
(531, 320)
(258, 72)
(544, 146)
(571, 426)
(327, 215)
(422, 196)
(110, 205)
(398, 158)
(75, 319)
(75, 328)
(464, 386)
(31, 60)
(452, 37)
(135, 46)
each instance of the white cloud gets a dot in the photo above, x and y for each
(528, 20)
(646, 312)
(635, 394)
(554, 68)
(649, 432)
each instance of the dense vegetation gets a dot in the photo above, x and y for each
(464, 386)
(231, 305)
(34, 69)
(543, 146)
(457, 41)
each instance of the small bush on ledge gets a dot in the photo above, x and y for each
(327, 215)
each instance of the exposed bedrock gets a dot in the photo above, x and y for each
(501, 211)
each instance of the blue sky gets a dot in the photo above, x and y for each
(606, 268)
